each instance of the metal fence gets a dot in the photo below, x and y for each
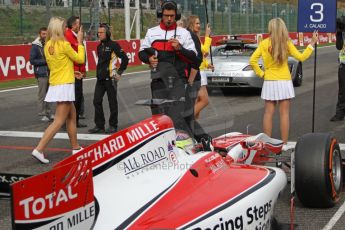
(237, 18)
(20, 19)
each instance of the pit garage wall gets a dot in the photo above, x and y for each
(15, 65)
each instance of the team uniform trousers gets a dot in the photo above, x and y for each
(160, 90)
(340, 110)
(191, 95)
(78, 84)
(102, 87)
(44, 107)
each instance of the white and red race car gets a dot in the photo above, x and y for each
(137, 178)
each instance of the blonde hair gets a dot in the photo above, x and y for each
(191, 22)
(279, 40)
(56, 29)
(182, 22)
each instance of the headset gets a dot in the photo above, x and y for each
(107, 29)
(164, 6)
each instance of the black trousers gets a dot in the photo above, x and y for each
(191, 94)
(181, 111)
(340, 110)
(161, 89)
(78, 86)
(102, 87)
(82, 106)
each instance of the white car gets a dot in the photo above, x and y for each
(232, 69)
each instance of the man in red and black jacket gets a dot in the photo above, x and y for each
(169, 50)
(73, 24)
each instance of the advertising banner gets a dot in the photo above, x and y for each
(294, 38)
(14, 62)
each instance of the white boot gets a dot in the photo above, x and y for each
(75, 151)
(39, 156)
(286, 147)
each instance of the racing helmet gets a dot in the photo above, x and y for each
(185, 142)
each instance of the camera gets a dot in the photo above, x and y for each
(341, 23)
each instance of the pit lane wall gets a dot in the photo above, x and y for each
(15, 65)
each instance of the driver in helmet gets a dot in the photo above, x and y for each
(185, 141)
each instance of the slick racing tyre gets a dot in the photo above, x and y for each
(318, 170)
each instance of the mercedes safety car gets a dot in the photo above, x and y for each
(232, 68)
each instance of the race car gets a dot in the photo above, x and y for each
(232, 69)
(144, 177)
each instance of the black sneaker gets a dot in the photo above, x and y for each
(337, 118)
(96, 130)
(111, 129)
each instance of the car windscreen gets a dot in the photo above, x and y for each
(234, 50)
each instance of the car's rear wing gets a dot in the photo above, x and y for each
(6, 179)
(94, 182)
(61, 198)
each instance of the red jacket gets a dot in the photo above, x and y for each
(71, 38)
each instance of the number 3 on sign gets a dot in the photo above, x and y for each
(318, 7)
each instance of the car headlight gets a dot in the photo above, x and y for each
(249, 68)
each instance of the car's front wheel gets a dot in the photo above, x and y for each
(298, 78)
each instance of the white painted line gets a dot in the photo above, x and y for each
(63, 136)
(335, 218)
(11, 90)
(87, 79)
